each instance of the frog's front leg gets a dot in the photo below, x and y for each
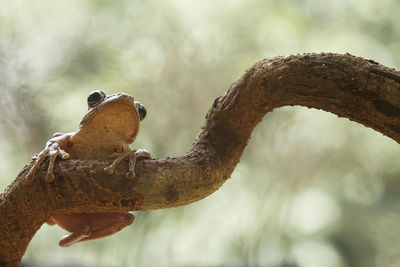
(139, 153)
(55, 147)
(133, 156)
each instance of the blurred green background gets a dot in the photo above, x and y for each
(311, 189)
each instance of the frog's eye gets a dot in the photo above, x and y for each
(141, 109)
(95, 98)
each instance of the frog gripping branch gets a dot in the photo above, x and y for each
(348, 86)
(110, 125)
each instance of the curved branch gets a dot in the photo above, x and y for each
(347, 86)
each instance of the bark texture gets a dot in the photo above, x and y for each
(348, 86)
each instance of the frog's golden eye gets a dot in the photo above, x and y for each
(95, 98)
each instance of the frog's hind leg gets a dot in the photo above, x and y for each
(75, 237)
(92, 226)
(118, 222)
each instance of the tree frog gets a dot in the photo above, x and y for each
(107, 129)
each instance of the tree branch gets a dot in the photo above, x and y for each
(348, 86)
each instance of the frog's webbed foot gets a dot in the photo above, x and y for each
(53, 149)
(133, 156)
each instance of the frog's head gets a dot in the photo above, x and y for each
(113, 116)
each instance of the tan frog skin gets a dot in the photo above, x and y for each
(110, 125)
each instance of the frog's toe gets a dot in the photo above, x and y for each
(64, 155)
(30, 175)
(119, 157)
(140, 153)
(109, 170)
(49, 177)
(39, 158)
(52, 151)
(133, 156)
(130, 174)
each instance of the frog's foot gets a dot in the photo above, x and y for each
(133, 156)
(139, 153)
(75, 237)
(119, 157)
(53, 150)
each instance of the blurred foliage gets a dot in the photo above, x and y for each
(311, 189)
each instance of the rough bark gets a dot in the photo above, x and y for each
(348, 86)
